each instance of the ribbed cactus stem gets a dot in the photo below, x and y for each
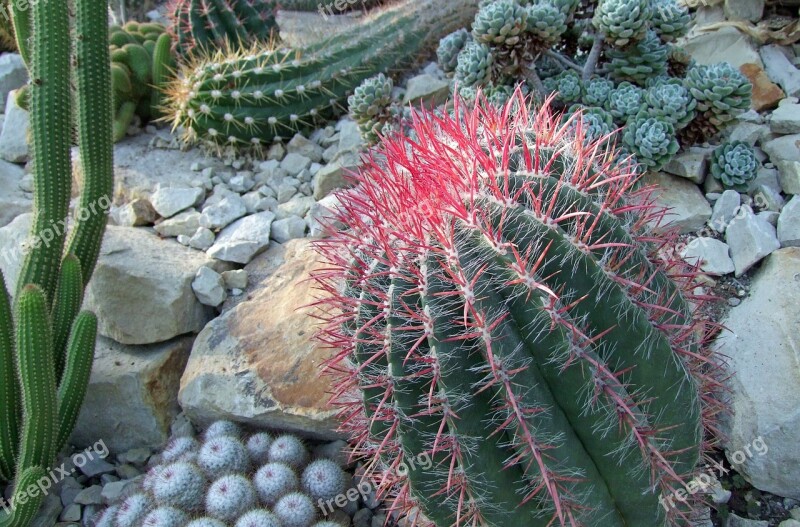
(69, 297)
(9, 389)
(25, 506)
(163, 64)
(77, 370)
(22, 28)
(51, 128)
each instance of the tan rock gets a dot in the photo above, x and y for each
(766, 94)
(257, 363)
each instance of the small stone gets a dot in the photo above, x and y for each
(243, 240)
(784, 152)
(725, 209)
(733, 301)
(222, 214)
(770, 216)
(427, 91)
(202, 239)
(14, 137)
(94, 465)
(736, 521)
(750, 239)
(90, 513)
(288, 229)
(334, 175)
(137, 213)
(294, 163)
(235, 279)
(127, 471)
(185, 223)
(72, 513)
(765, 176)
(135, 456)
(242, 182)
(789, 224)
(167, 202)
(786, 118)
(746, 132)
(780, 70)
(362, 518)
(691, 164)
(108, 478)
(13, 73)
(749, 10)
(712, 255)
(276, 152)
(236, 291)
(350, 139)
(689, 210)
(789, 523)
(90, 496)
(766, 94)
(112, 491)
(286, 191)
(321, 214)
(209, 287)
(298, 206)
(767, 198)
(304, 147)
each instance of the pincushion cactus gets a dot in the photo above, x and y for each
(132, 511)
(273, 481)
(223, 455)
(288, 449)
(181, 485)
(324, 479)
(222, 429)
(465, 296)
(734, 164)
(295, 510)
(258, 447)
(651, 139)
(206, 522)
(166, 517)
(258, 518)
(179, 448)
(229, 497)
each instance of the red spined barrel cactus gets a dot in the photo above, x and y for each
(516, 345)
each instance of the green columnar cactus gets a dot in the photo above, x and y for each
(252, 98)
(46, 344)
(498, 310)
(734, 164)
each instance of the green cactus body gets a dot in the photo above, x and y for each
(250, 99)
(490, 303)
(9, 389)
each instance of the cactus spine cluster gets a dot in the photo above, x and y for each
(230, 479)
(499, 304)
(46, 343)
(252, 97)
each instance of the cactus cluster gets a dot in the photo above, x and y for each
(500, 305)
(251, 97)
(231, 479)
(46, 341)
(734, 164)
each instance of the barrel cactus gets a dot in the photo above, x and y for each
(734, 164)
(498, 309)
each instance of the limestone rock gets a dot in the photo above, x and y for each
(691, 164)
(784, 152)
(750, 239)
(209, 287)
(13, 201)
(786, 118)
(726, 44)
(426, 90)
(711, 254)
(168, 201)
(334, 175)
(789, 224)
(780, 70)
(257, 363)
(749, 10)
(689, 209)
(242, 240)
(13, 73)
(14, 137)
(766, 94)
(186, 223)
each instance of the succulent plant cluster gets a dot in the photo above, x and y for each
(734, 164)
(499, 303)
(231, 479)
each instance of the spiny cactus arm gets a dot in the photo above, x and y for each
(51, 129)
(24, 510)
(22, 28)
(36, 377)
(9, 389)
(123, 119)
(78, 369)
(94, 122)
(163, 65)
(67, 304)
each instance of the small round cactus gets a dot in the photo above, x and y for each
(106, 517)
(180, 485)
(273, 481)
(180, 448)
(132, 510)
(734, 164)
(596, 91)
(639, 62)
(258, 518)
(258, 447)
(670, 19)
(623, 21)
(624, 101)
(651, 140)
(223, 455)
(222, 429)
(474, 64)
(229, 497)
(323, 479)
(290, 450)
(449, 48)
(165, 517)
(295, 510)
(500, 23)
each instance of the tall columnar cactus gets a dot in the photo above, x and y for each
(46, 344)
(252, 97)
(501, 307)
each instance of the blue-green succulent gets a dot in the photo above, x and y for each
(474, 64)
(500, 23)
(566, 85)
(722, 92)
(449, 48)
(670, 19)
(624, 101)
(596, 91)
(651, 140)
(623, 21)
(671, 101)
(546, 24)
(734, 164)
(639, 61)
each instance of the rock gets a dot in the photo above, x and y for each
(13, 201)
(202, 239)
(750, 133)
(296, 207)
(288, 229)
(141, 289)
(780, 70)
(712, 255)
(789, 224)
(350, 139)
(242, 182)
(14, 137)
(244, 239)
(784, 152)
(766, 94)
(322, 214)
(786, 118)
(135, 456)
(235, 279)
(90, 496)
(137, 213)
(726, 44)
(220, 215)
(209, 287)
(767, 177)
(186, 224)
(295, 163)
(769, 216)
(302, 146)
(256, 363)
(749, 10)
(112, 491)
(750, 239)
(691, 164)
(132, 396)
(736, 521)
(767, 198)
(276, 152)
(96, 466)
(72, 513)
(724, 210)
(334, 175)
(286, 192)
(170, 201)
(689, 209)
(13, 73)
(427, 91)
(789, 523)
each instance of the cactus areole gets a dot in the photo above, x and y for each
(501, 308)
